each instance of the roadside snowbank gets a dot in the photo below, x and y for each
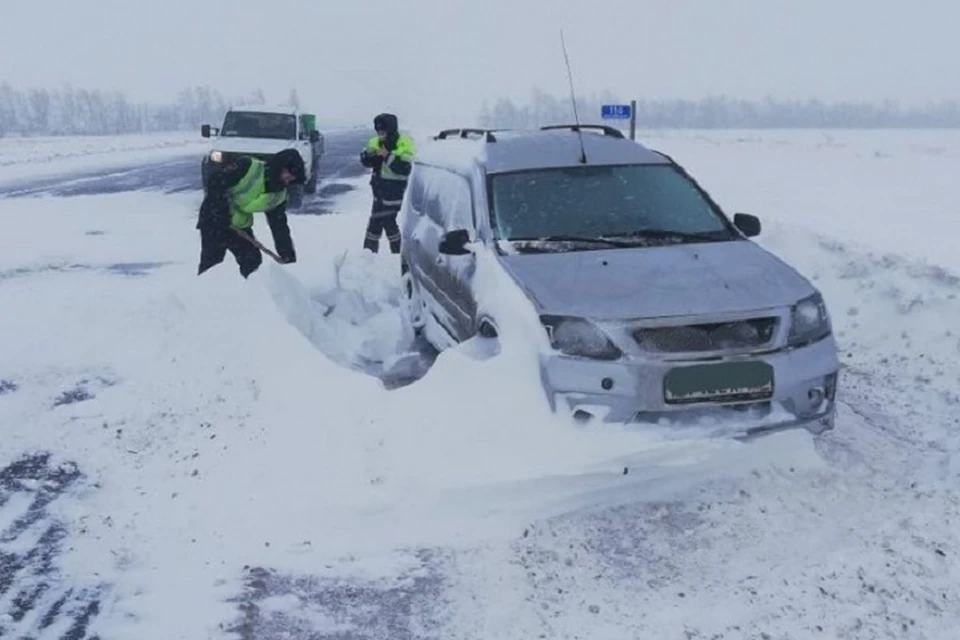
(36, 157)
(39, 149)
(29, 157)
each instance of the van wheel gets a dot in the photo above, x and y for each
(412, 303)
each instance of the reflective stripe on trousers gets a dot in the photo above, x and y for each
(385, 208)
(392, 237)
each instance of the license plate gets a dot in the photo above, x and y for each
(719, 382)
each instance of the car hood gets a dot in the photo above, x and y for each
(650, 282)
(250, 145)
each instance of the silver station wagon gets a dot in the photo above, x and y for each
(659, 308)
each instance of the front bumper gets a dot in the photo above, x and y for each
(632, 392)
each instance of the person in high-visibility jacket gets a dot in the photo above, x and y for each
(235, 191)
(390, 155)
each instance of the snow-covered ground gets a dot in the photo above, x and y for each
(226, 466)
(25, 157)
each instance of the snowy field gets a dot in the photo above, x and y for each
(223, 463)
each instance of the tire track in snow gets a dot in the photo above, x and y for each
(405, 606)
(35, 600)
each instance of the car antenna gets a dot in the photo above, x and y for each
(573, 99)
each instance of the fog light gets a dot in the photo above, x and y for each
(607, 384)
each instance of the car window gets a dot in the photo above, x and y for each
(431, 194)
(447, 198)
(457, 202)
(254, 124)
(596, 201)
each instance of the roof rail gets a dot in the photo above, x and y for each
(607, 129)
(463, 133)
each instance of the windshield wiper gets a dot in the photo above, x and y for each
(692, 236)
(610, 242)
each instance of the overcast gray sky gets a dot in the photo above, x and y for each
(433, 61)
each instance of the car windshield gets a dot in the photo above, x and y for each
(255, 124)
(595, 202)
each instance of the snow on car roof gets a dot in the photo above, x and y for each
(459, 154)
(533, 149)
(263, 108)
(516, 151)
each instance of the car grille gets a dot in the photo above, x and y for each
(233, 155)
(742, 334)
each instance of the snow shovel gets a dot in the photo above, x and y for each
(246, 236)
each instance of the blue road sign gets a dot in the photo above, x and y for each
(615, 112)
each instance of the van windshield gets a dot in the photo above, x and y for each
(600, 202)
(257, 124)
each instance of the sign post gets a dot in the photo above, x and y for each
(622, 112)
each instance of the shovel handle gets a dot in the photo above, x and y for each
(246, 236)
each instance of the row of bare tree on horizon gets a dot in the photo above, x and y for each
(71, 111)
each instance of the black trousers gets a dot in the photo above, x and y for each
(382, 220)
(216, 241)
(216, 237)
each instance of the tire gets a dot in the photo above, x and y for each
(311, 186)
(295, 197)
(412, 306)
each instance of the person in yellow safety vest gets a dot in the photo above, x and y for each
(237, 189)
(390, 155)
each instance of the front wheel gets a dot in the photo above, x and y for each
(412, 303)
(295, 197)
(311, 186)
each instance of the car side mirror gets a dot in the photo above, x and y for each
(314, 136)
(747, 224)
(205, 130)
(454, 243)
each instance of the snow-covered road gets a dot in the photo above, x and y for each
(189, 457)
(169, 163)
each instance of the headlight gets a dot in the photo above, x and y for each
(809, 321)
(216, 156)
(579, 337)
